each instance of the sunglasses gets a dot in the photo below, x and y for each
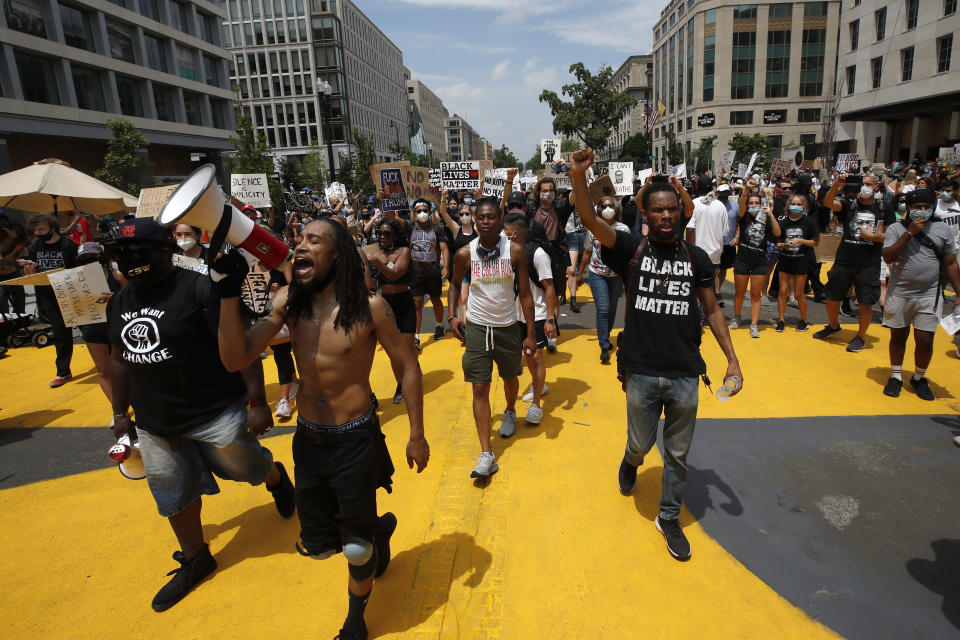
(421, 211)
(386, 234)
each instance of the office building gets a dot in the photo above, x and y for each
(463, 142)
(433, 116)
(635, 79)
(285, 50)
(486, 150)
(899, 90)
(69, 67)
(722, 68)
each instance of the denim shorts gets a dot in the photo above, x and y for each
(181, 469)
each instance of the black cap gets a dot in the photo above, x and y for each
(704, 183)
(140, 229)
(518, 198)
(921, 195)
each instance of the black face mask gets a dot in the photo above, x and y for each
(43, 237)
(141, 265)
(723, 197)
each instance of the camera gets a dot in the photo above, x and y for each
(659, 178)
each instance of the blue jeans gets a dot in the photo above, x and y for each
(676, 399)
(606, 295)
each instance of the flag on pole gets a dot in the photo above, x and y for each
(653, 117)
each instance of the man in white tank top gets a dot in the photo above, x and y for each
(486, 321)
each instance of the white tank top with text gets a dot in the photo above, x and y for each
(492, 300)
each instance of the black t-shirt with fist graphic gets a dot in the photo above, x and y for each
(167, 336)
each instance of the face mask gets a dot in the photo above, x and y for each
(464, 219)
(723, 196)
(422, 217)
(43, 237)
(468, 201)
(946, 195)
(186, 243)
(866, 192)
(547, 196)
(608, 213)
(796, 210)
(137, 266)
(921, 214)
(902, 207)
(753, 211)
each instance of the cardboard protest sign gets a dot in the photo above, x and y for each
(602, 187)
(190, 264)
(152, 199)
(622, 177)
(457, 176)
(77, 291)
(780, 167)
(827, 249)
(416, 182)
(255, 292)
(725, 163)
(549, 150)
(495, 183)
(809, 165)
(562, 180)
(37, 279)
(947, 155)
(375, 169)
(849, 162)
(393, 196)
(251, 188)
(485, 165)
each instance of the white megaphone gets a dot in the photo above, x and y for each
(199, 202)
(128, 457)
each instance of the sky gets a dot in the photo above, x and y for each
(489, 60)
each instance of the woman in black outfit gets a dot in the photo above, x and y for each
(460, 234)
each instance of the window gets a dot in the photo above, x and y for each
(745, 12)
(163, 100)
(944, 49)
(211, 69)
(744, 64)
(774, 142)
(811, 9)
(808, 115)
(912, 8)
(710, 16)
(120, 40)
(854, 35)
(741, 117)
(150, 8)
(709, 50)
(193, 105)
(77, 28)
(156, 58)
(37, 78)
(876, 72)
(184, 17)
(782, 10)
(880, 20)
(851, 79)
(811, 62)
(807, 138)
(26, 17)
(218, 107)
(778, 64)
(128, 90)
(949, 7)
(89, 88)
(186, 65)
(209, 25)
(906, 64)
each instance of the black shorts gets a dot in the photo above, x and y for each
(865, 281)
(95, 333)
(794, 265)
(426, 280)
(337, 471)
(749, 263)
(403, 309)
(728, 256)
(539, 330)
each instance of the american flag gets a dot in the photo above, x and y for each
(652, 117)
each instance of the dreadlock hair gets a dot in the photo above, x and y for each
(348, 277)
(399, 229)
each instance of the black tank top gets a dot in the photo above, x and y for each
(462, 240)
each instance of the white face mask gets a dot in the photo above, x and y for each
(186, 243)
(548, 196)
(464, 219)
(866, 192)
(423, 217)
(608, 213)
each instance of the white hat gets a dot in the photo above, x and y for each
(723, 187)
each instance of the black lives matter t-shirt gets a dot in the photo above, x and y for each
(754, 235)
(804, 228)
(61, 254)
(854, 248)
(662, 335)
(167, 336)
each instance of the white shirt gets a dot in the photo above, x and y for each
(710, 221)
(492, 301)
(541, 262)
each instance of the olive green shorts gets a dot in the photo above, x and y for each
(486, 345)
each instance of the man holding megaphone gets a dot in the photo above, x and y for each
(192, 416)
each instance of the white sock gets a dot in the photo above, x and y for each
(897, 372)
(918, 373)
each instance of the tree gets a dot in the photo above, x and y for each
(636, 149)
(593, 110)
(123, 166)
(703, 154)
(569, 146)
(354, 171)
(289, 170)
(405, 153)
(534, 163)
(503, 157)
(313, 170)
(746, 146)
(674, 149)
(252, 154)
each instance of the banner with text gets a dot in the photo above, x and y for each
(621, 174)
(152, 199)
(495, 183)
(416, 182)
(77, 291)
(251, 188)
(393, 197)
(849, 162)
(456, 176)
(725, 163)
(562, 180)
(549, 150)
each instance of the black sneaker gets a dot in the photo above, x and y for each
(780, 326)
(856, 345)
(574, 305)
(922, 387)
(284, 495)
(846, 309)
(604, 356)
(189, 575)
(358, 634)
(892, 388)
(438, 332)
(802, 326)
(627, 477)
(677, 543)
(826, 332)
(381, 538)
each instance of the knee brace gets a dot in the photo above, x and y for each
(362, 558)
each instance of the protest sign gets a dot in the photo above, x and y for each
(849, 162)
(255, 292)
(742, 170)
(602, 187)
(392, 197)
(622, 177)
(827, 249)
(549, 150)
(460, 175)
(753, 159)
(725, 163)
(947, 155)
(336, 190)
(36, 279)
(77, 291)
(416, 182)
(190, 264)
(375, 169)
(956, 151)
(680, 170)
(780, 167)
(562, 180)
(251, 188)
(485, 165)
(152, 199)
(435, 179)
(644, 174)
(495, 183)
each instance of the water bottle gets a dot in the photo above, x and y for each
(730, 385)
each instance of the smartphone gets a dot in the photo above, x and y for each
(659, 178)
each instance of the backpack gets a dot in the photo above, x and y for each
(557, 267)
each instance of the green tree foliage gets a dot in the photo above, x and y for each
(123, 167)
(415, 159)
(289, 170)
(703, 155)
(674, 149)
(746, 146)
(252, 154)
(354, 171)
(593, 109)
(313, 170)
(636, 149)
(503, 157)
(534, 163)
(569, 146)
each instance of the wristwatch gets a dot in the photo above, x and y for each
(551, 321)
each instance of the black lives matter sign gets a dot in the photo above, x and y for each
(460, 175)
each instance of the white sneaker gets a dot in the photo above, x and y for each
(283, 408)
(534, 414)
(754, 331)
(294, 387)
(486, 466)
(508, 426)
(734, 322)
(528, 396)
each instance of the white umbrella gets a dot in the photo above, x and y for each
(52, 185)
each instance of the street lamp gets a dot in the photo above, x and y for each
(324, 91)
(430, 149)
(396, 130)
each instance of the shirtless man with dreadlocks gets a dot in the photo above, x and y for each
(339, 451)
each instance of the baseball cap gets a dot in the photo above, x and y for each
(925, 196)
(723, 187)
(517, 198)
(140, 229)
(89, 249)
